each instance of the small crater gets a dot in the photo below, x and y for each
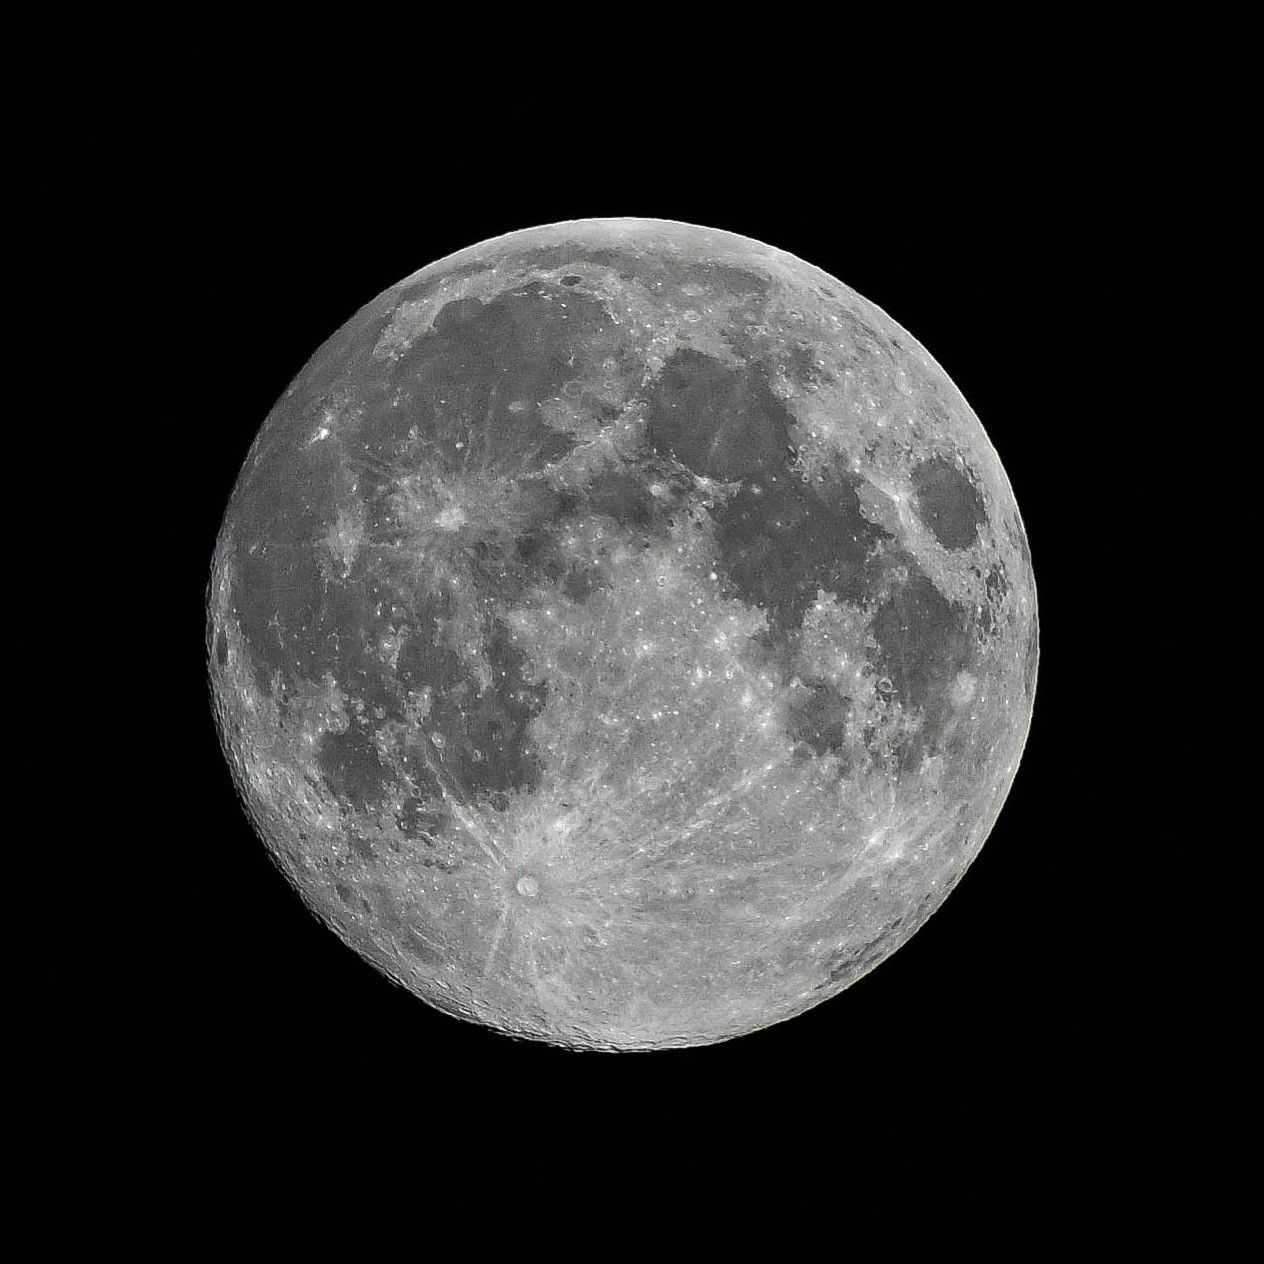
(570, 280)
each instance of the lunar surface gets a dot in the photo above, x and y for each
(622, 634)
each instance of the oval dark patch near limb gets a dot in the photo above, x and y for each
(948, 503)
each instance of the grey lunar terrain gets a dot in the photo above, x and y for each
(622, 634)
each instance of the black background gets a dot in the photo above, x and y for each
(974, 245)
(1046, 200)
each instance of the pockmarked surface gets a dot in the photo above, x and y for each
(623, 634)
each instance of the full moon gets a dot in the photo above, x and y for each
(622, 634)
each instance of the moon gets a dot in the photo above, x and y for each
(622, 634)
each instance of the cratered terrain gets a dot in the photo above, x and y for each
(623, 634)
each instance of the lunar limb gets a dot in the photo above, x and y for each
(623, 634)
